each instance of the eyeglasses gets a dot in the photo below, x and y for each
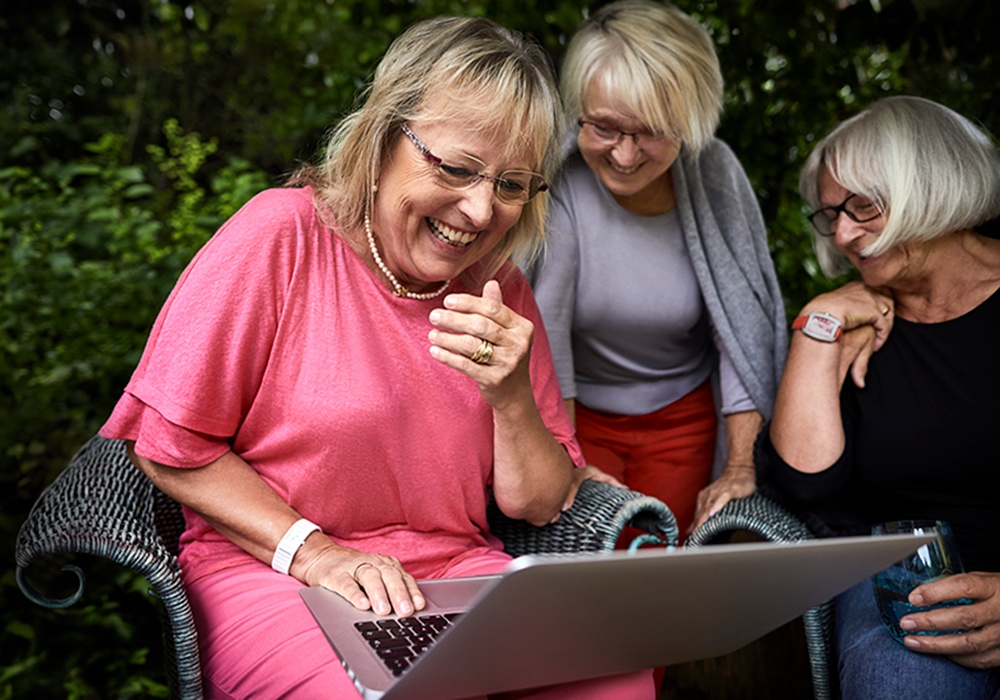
(608, 135)
(510, 186)
(859, 209)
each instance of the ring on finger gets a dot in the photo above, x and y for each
(483, 353)
(358, 569)
(885, 311)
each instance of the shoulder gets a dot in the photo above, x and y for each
(716, 158)
(279, 205)
(575, 182)
(277, 229)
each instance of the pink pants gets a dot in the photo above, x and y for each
(258, 640)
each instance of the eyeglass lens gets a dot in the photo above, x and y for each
(611, 135)
(858, 208)
(510, 186)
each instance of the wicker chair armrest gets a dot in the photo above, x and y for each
(755, 513)
(594, 523)
(102, 505)
(766, 519)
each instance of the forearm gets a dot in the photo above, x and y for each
(231, 496)
(532, 471)
(807, 429)
(741, 432)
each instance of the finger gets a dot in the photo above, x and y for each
(471, 324)
(402, 590)
(943, 620)
(712, 507)
(489, 304)
(596, 474)
(461, 344)
(369, 578)
(859, 368)
(957, 587)
(574, 488)
(491, 291)
(972, 648)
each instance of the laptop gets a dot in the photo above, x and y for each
(554, 619)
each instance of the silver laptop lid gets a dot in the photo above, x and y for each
(551, 620)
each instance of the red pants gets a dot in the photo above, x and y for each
(667, 454)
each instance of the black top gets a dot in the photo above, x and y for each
(922, 440)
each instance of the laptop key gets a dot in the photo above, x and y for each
(388, 643)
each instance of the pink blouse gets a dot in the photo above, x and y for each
(280, 344)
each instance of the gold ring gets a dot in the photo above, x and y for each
(358, 568)
(885, 311)
(483, 353)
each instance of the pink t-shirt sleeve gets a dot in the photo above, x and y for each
(209, 346)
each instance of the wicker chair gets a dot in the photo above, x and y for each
(766, 519)
(102, 505)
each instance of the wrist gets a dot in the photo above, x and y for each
(290, 543)
(822, 326)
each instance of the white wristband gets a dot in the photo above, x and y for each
(290, 543)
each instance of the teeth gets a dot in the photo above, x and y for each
(449, 235)
(624, 171)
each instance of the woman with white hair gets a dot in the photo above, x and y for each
(898, 193)
(657, 276)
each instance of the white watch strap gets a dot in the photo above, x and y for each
(290, 543)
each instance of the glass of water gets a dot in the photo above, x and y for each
(934, 560)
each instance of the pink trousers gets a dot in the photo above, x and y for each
(258, 640)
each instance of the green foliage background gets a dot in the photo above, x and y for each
(132, 128)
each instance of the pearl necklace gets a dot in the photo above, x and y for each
(397, 289)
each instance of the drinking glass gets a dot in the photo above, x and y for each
(936, 559)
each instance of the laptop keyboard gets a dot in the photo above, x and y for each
(399, 641)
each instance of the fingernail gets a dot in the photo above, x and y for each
(911, 641)
(435, 316)
(917, 599)
(405, 609)
(907, 624)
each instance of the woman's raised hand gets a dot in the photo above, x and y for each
(486, 340)
(867, 315)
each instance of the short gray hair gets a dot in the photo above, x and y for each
(658, 62)
(448, 68)
(931, 170)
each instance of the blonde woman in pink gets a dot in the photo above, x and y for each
(348, 366)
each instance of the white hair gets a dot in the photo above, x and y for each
(931, 170)
(657, 63)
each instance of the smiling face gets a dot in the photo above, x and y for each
(428, 232)
(894, 268)
(637, 177)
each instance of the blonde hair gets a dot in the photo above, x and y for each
(931, 170)
(659, 64)
(448, 68)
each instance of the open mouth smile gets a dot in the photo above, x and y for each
(444, 232)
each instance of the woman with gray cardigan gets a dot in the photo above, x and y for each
(657, 283)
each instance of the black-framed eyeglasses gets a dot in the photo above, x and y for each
(510, 186)
(858, 208)
(609, 135)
